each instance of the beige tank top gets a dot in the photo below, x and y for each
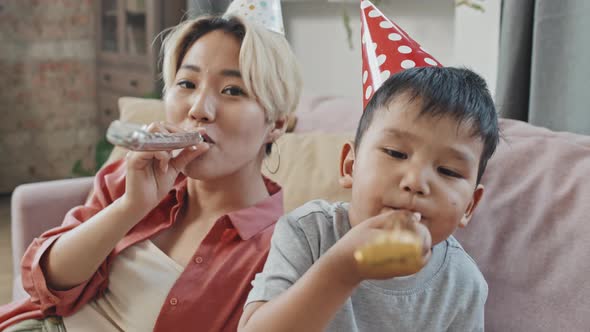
(141, 277)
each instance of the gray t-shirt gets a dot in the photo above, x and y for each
(448, 294)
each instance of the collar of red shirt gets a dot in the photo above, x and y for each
(251, 220)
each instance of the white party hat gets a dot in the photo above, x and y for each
(264, 12)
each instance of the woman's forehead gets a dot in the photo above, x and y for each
(213, 49)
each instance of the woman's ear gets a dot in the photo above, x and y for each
(346, 165)
(477, 195)
(278, 128)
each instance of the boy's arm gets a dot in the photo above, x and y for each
(309, 305)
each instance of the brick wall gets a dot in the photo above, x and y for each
(48, 107)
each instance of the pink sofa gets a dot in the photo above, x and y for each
(529, 235)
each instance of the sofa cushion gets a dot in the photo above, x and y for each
(308, 167)
(328, 114)
(529, 233)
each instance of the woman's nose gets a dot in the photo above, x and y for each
(203, 108)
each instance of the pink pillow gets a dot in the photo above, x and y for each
(328, 114)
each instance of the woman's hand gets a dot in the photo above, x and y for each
(151, 175)
(367, 232)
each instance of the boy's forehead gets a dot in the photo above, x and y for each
(406, 122)
(403, 112)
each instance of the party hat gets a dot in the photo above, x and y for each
(386, 50)
(264, 12)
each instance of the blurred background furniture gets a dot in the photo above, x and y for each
(128, 45)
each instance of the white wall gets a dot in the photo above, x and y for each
(477, 37)
(455, 36)
(318, 37)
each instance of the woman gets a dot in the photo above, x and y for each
(171, 242)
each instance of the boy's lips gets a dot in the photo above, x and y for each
(411, 210)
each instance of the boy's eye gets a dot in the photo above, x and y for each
(396, 154)
(186, 84)
(233, 91)
(448, 172)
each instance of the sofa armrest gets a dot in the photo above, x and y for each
(37, 207)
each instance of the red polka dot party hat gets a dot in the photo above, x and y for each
(265, 12)
(386, 50)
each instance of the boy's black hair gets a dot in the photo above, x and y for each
(442, 91)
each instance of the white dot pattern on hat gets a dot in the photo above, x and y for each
(365, 76)
(374, 13)
(386, 25)
(381, 59)
(404, 49)
(408, 64)
(368, 92)
(430, 61)
(385, 75)
(394, 36)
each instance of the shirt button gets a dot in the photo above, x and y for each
(199, 260)
(173, 301)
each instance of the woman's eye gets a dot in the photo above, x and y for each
(448, 172)
(234, 91)
(396, 154)
(186, 84)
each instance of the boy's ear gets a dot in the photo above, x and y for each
(278, 128)
(346, 165)
(477, 195)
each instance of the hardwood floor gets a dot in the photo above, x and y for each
(5, 251)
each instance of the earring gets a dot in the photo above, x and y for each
(279, 162)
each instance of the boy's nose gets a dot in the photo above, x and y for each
(415, 182)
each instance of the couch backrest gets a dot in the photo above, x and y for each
(530, 234)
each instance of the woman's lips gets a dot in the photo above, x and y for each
(208, 139)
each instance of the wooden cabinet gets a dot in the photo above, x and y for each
(128, 46)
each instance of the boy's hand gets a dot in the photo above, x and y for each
(389, 245)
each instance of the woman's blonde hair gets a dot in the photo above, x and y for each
(268, 66)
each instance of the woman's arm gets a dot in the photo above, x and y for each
(76, 255)
(109, 184)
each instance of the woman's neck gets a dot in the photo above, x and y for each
(207, 199)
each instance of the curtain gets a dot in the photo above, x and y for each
(544, 63)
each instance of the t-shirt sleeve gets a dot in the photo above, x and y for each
(471, 305)
(289, 258)
(472, 319)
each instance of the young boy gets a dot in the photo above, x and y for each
(420, 150)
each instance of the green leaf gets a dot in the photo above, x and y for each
(103, 150)
(79, 170)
